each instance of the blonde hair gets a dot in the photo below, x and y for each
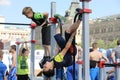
(25, 9)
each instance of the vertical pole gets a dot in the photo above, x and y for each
(80, 68)
(17, 52)
(53, 30)
(32, 51)
(85, 34)
(117, 70)
(53, 8)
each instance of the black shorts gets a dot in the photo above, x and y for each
(23, 77)
(46, 35)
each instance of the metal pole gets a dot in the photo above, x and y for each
(85, 34)
(53, 30)
(80, 68)
(32, 54)
(15, 24)
(117, 71)
(17, 52)
(53, 9)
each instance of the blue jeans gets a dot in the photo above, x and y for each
(70, 74)
(60, 74)
(94, 73)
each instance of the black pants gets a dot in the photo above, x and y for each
(22, 77)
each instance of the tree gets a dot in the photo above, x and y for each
(112, 44)
(101, 43)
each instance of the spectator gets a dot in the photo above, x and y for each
(3, 68)
(22, 62)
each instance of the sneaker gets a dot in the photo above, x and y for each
(80, 14)
(43, 61)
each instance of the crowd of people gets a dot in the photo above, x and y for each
(63, 60)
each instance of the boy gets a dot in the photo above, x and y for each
(63, 58)
(41, 20)
(3, 68)
(22, 62)
(12, 72)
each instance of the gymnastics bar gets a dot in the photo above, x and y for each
(15, 24)
(85, 29)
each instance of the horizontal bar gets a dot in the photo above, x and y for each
(85, 0)
(15, 24)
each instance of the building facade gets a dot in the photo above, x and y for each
(9, 34)
(106, 29)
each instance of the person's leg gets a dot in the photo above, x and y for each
(59, 73)
(74, 27)
(76, 71)
(46, 40)
(20, 77)
(93, 73)
(59, 39)
(69, 73)
(25, 77)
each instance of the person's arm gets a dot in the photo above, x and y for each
(112, 56)
(111, 71)
(26, 46)
(13, 60)
(105, 58)
(20, 51)
(5, 77)
(68, 44)
(45, 14)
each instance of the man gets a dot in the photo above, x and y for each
(116, 52)
(95, 57)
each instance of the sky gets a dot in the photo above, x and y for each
(12, 9)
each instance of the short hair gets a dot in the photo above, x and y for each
(23, 50)
(95, 45)
(118, 42)
(49, 73)
(1, 53)
(25, 9)
(13, 47)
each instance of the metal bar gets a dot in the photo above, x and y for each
(17, 53)
(53, 30)
(85, 42)
(117, 75)
(14, 24)
(32, 54)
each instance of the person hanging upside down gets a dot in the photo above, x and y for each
(67, 46)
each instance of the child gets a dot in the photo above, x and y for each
(12, 72)
(3, 68)
(63, 58)
(22, 62)
(41, 20)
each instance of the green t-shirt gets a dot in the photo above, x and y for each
(22, 65)
(38, 16)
